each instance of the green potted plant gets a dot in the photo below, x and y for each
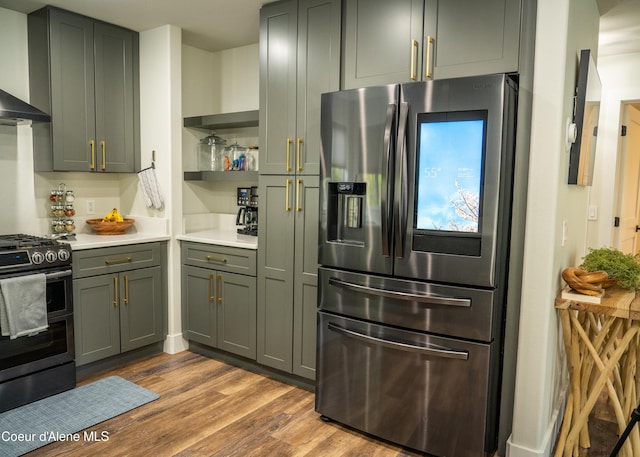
(624, 268)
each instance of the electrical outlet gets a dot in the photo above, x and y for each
(91, 207)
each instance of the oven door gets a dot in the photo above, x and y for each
(52, 347)
(422, 391)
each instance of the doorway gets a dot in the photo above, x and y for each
(627, 234)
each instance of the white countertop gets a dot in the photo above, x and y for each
(90, 241)
(144, 230)
(219, 229)
(221, 237)
(212, 228)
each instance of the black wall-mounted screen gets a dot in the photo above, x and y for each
(586, 113)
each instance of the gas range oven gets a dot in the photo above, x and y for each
(37, 366)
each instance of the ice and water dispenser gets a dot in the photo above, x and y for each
(346, 211)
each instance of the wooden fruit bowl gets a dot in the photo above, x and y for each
(110, 228)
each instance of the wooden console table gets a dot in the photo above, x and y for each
(601, 342)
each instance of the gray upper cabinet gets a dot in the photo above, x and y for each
(85, 74)
(382, 42)
(299, 60)
(471, 37)
(415, 40)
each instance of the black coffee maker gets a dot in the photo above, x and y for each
(247, 217)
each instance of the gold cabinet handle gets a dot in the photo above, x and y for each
(298, 148)
(215, 259)
(93, 155)
(126, 289)
(286, 196)
(117, 261)
(103, 145)
(428, 70)
(115, 291)
(288, 165)
(211, 297)
(219, 288)
(414, 52)
(298, 192)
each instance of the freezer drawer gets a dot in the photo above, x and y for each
(456, 311)
(428, 393)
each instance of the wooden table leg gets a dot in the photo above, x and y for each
(603, 379)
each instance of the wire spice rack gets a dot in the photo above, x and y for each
(62, 211)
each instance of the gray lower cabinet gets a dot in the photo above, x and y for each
(119, 310)
(287, 273)
(84, 73)
(415, 40)
(218, 304)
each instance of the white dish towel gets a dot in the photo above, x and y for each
(150, 188)
(23, 305)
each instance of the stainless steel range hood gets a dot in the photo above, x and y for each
(14, 111)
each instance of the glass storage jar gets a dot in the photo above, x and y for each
(211, 153)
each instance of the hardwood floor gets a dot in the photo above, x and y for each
(209, 408)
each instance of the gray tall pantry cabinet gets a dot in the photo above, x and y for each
(119, 299)
(415, 40)
(84, 73)
(292, 77)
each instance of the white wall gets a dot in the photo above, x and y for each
(213, 83)
(620, 84)
(563, 28)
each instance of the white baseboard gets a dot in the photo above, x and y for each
(175, 343)
(550, 437)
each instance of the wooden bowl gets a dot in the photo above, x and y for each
(110, 228)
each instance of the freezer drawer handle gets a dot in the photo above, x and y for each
(430, 350)
(424, 298)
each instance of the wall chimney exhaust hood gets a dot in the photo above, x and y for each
(14, 111)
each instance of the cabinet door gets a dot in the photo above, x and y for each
(140, 308)
(275, 271)
(198, 305)
(114, 98)
(72, 90)
(382, 42)
(319, 32)
(471, 37)
(305, 277)
(236, 300)
(278, 32)
(96, 321)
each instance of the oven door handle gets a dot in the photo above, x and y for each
(422, 298)
(58, 274)
(437, 351)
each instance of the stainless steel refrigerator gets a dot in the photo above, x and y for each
(415, 212)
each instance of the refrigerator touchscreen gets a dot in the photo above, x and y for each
(450, 161)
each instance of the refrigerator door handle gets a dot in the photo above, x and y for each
(437, 351)
(387, 187)
(401, 197)
(423, 298)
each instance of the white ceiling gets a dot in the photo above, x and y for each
(619, 27)
(214, 25)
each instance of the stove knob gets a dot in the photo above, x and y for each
(37, 257)
(63, 255)
(50, 256)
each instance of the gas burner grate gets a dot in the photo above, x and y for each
(22, 241)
